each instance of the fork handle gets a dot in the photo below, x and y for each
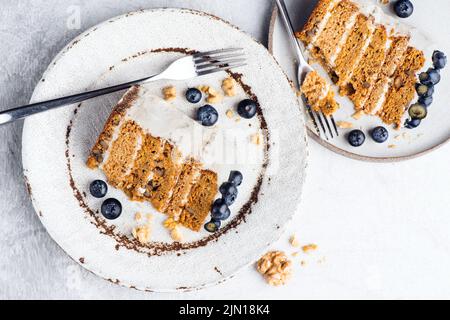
(14, 114)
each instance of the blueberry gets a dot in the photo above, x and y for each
(403, 8)
(98, 188)
(424, 91)
(193, 95)
(412, 123)
(212, 226)
(229, 192)
(247, 108)
(417, 111)
(207, 115)
(356, 138)
(380, 134)
(434, 76)
(424, 78)
(439, 59)
(426, 101)
(111, 209)
(235, 178)
(220, 210)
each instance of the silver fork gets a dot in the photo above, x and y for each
(302, 70)
(198, 64)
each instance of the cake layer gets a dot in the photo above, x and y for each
(365, 74)
(146, 149)
(402, 89)
(393, 58)
(353, 50)
(188, 177)
(199, 201)
(317, 20)
(328, 39)
(122, 153)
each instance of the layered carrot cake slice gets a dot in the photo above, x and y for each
(372, 63)
(145, 149)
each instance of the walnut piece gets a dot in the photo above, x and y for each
(142, 233)
(309, 247)
(228, 87)
(255, 139)
(344, 124)
(170, 93)
(275, 267)
(213, 95)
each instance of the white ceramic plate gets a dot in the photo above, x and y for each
(56, 144)
(431, 20)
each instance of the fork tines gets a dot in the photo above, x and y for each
(218, 60)
(322, 120)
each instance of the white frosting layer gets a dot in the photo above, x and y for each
(219, 148)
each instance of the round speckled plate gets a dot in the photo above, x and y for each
(56, 144)
(403, 144)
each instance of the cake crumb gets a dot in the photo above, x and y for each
(344, 124)
(170, 93)
(228, 87)
(142, 233)
(384, 1)
(138, 217)
(303, 263)
(170, 224)
(295, 254)
(275, 267)
(392, 146)
(149, 217)
(255, 139)
(358, 114)
(176, 234)
(229, 113)
(309, 248)
(294, 241)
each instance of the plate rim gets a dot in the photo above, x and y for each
(304, 167)
(331, 147)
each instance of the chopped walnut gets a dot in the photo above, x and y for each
(294, 241)
(170, 224)
(213, 95)
(142, 233)
(170, 93)
(358, 114)
(138, 217)
(344, 124)
(309, 247)
(228, 87)
(176, 234)
(275, 267)
(255, 139)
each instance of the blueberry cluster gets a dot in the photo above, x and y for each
(356, 137)
(207, 115)
(403, 8)
(425, 90)
(220, 209)
(111, 208)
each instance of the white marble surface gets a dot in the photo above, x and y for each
(382, 229)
